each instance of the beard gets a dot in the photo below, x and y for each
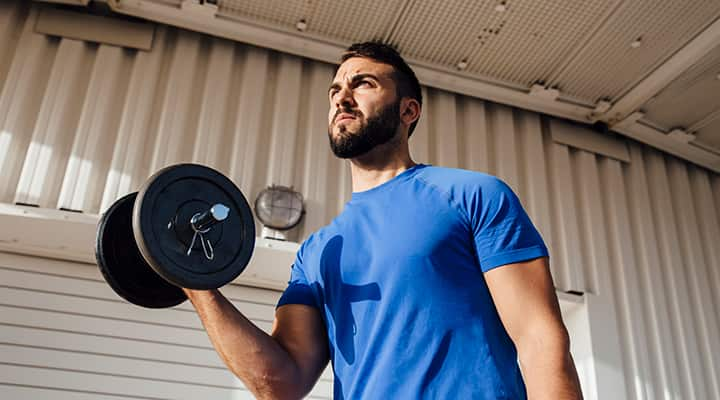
(377, 131)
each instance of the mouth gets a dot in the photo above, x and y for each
(344, 116)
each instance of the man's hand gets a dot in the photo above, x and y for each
(525, 298)
(284, 365)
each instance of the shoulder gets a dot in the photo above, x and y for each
(479, 197)
(464, 184)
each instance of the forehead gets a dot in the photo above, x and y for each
(361, 65)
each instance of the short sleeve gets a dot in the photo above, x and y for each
(502, 230)
(299, 289)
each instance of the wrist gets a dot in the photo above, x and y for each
(198, 294)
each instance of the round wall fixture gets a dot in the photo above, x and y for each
(279, 207)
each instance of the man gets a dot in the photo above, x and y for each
(432, 282)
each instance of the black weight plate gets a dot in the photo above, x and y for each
(123, 266)
(161, 223)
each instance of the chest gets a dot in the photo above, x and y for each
(382, 242)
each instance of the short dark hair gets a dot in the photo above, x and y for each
(405, 80)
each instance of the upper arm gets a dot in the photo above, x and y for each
(525, 298)
(300, 330)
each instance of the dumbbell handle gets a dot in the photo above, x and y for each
(203, 221)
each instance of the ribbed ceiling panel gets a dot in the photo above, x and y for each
(691, 97)
(525, 43)
(337, 20)
(607, 66)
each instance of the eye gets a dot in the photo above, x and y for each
(364, 83)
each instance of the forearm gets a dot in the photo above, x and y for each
(549, 371)
(263, 365)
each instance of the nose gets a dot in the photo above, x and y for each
(344, 98)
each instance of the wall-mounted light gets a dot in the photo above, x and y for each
(501, 6)
(279, 208)
(462, 64)
(636, 43)
(301, 25)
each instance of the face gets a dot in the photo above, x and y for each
(364, 107)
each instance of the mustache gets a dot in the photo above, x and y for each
(339, 111)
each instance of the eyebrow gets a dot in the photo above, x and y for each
(354, 79)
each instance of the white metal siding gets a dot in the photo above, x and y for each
(65, 335)
(81, 124)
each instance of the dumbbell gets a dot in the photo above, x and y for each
(188, 226)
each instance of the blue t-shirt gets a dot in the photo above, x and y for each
(398, 278)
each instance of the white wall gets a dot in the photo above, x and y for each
(81, 124)
(64, 334)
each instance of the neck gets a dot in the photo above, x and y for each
(380, 165)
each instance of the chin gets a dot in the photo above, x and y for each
(342, 130)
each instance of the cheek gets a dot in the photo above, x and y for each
(370, 108)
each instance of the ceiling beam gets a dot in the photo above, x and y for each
(707, 120)
(678, 63)
(670, 144)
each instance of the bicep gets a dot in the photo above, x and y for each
(300, 330)
(525, 298)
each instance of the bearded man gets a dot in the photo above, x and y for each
(432, 282)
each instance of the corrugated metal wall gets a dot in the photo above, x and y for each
(81, 124)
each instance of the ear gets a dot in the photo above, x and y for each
(409, 110)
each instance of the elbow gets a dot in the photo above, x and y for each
(561, 339)
(548, 343)
(548, 367)
(268, 387)
(268, 384)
